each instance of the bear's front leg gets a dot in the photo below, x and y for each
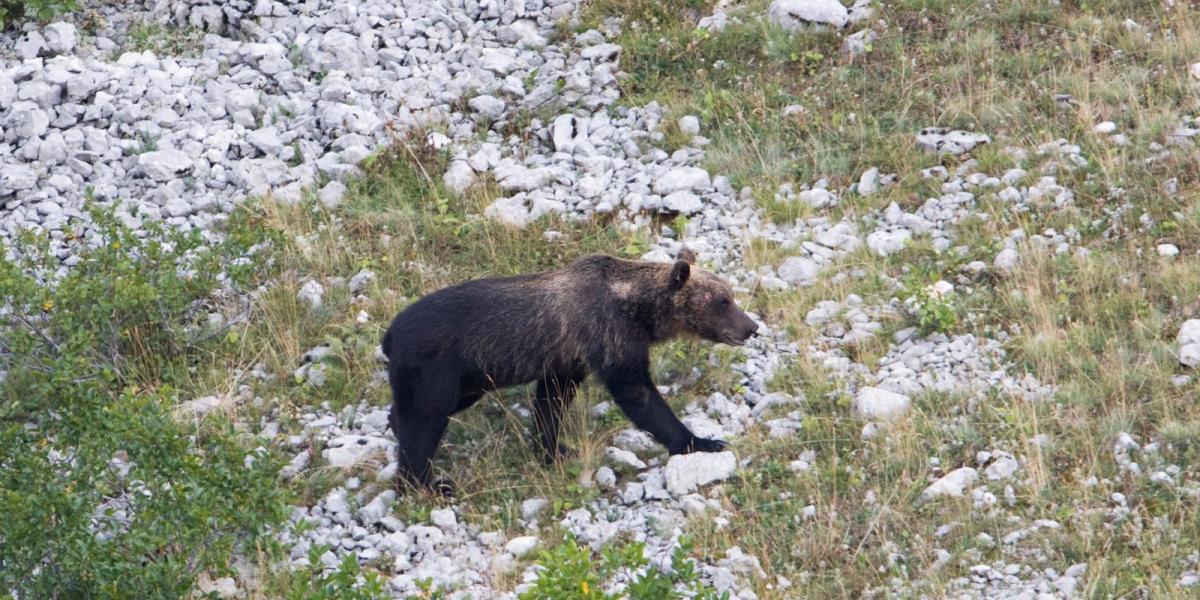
(634, 391)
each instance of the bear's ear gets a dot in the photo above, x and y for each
(686, 255)
(679, 275)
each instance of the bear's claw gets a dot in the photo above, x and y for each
(442, 487)
(698, 444)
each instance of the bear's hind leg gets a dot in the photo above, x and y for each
(554, 394)
(419, 428)
(417, 438)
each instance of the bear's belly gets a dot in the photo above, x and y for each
(519, 372)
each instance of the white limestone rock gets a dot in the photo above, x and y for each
(953, 484)
(878, 404)
(347, 450)
(522, 546)
(799, 15)
(685, 473)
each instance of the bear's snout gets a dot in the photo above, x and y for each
(749, 330)
(742, 330)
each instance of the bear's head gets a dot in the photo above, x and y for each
(704, 304)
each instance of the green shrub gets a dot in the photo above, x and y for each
(936, 308)
(570, 573)
(347, 582)
(13, 10)
(104, 492)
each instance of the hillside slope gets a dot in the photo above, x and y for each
(967, 229)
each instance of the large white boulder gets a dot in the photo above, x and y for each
(165, 165)
(682, 179)
(878, 404)
(1189, 343)
(797, 15)
(687, 472)
(347, 450)
(883, 243)
(799, 270)
(953, 484)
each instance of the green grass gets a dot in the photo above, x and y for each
(163, 40)
(1099, 327)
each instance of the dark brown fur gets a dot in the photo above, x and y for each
(597, 315)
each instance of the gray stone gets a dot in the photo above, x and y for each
(883, 243)
(689, 125)
(682, 179)
(799, 15)
(569, 133)
(348, 450)
(685, 473)
(378, 508)
(224, 587)
(1189, 343)
(953, 484)
(622, 457)
(331, 193)
(798, 270)
(14, 178)
(817, 198)
(1003, 466)
(859, 43)
(949, 141)
(510, 211)
(498, 60)
(459, 177)
(28, 121)
(868, 183)
(361, 281)
(878, 404)
(1189, 355)
(602, 52)
(489, 107)
(200, 407)
(266, 140)
(60, 37)
(606, 479)
(165, 165)
(311, 293)
(533, 507)
(683, 202)
(31, 45)
(522, 546)
(444, 518)
(1006, 261)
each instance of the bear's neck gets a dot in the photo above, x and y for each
(655, 314)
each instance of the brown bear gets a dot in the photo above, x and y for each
(597, 315)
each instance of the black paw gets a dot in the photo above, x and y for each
(562, 452)
(442, 487)
(705, 445)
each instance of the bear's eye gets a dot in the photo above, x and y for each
(724, 303)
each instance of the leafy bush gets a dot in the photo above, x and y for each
(935, 307)
(347, 582)
(13, 10)
(569, 572)
(104, 491)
